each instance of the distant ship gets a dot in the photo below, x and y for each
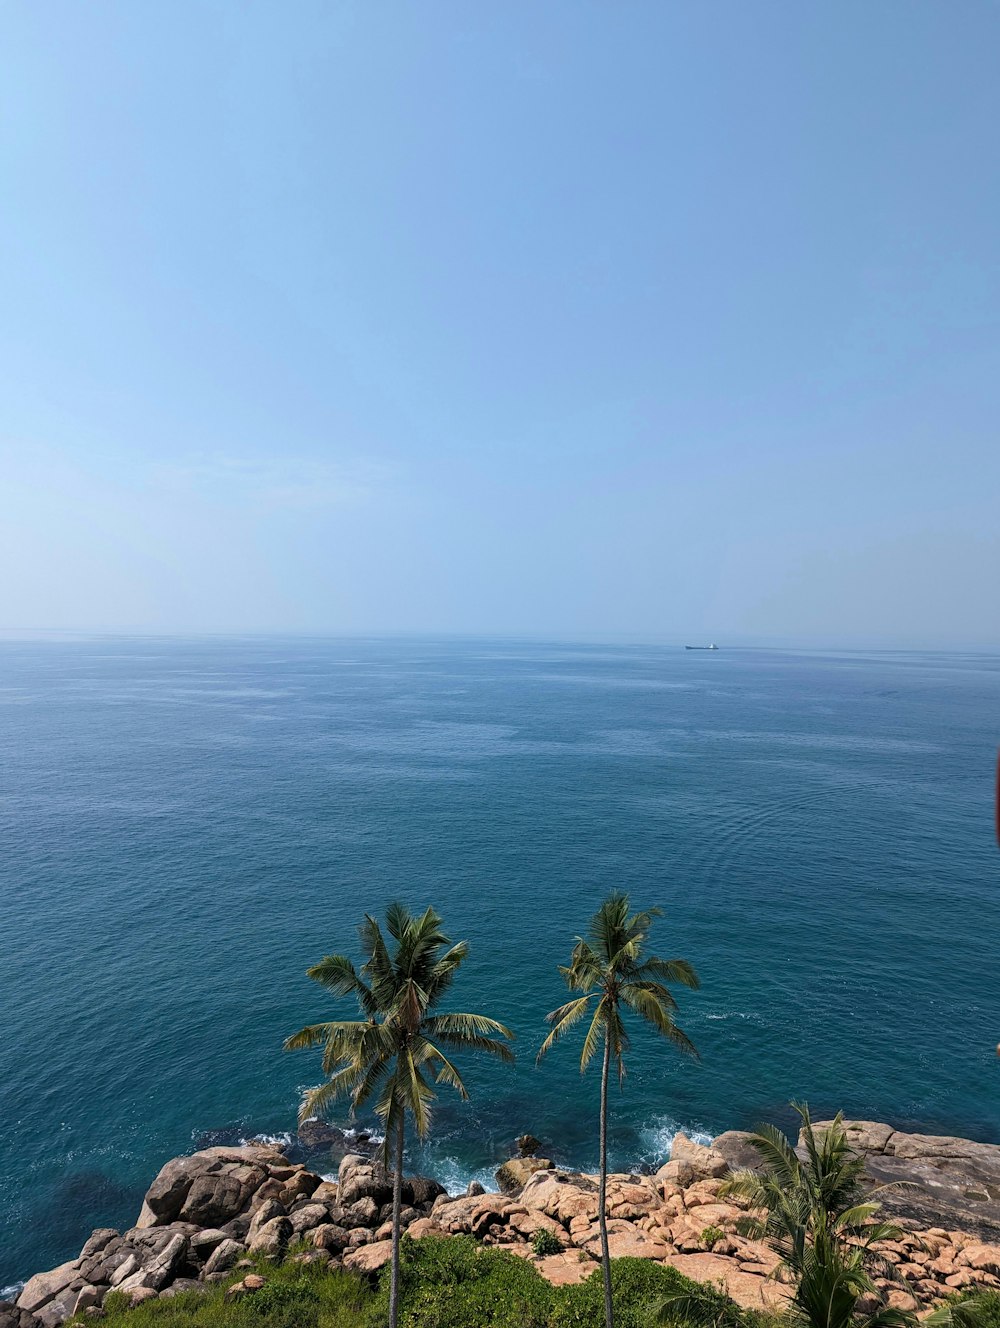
(713, 646)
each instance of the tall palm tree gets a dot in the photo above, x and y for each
(611, 968)
(392, 1056)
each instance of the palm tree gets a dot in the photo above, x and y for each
(613, 971)
(818, 1216)
(392, 1055)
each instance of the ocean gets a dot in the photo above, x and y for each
(187, 825)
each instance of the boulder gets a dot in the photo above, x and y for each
(208, 1187)
(365, 1181)
(566, 1269)
(138, 1295)
(223, 1257)
(299, 1186)
(330, 1237)
(87, 1297)
(517, 1171)
(39, 1290)
(214, 1199)
(97, 1241)
(561, 1195)
(159, 1267)
(363, 1212)
(13, 1317)
(939, 1181)
(267, 1212)
(178, 1287)
(421, 1191)
(424, 1226)
(983, 1258)
(746, 1289)
(527, 1145)
(272, 1238)
(369, 1258)
(736, 1148)
(624, 1241)
(675, 1175)
(202, 1243)
(308, 1216)
(704, 1162)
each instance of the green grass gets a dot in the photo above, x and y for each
(293, 1297)
(448, 1282)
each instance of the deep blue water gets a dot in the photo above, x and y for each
(186, 825)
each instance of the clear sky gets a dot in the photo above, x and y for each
(659, 319)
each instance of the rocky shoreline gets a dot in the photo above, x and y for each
(206, 1214)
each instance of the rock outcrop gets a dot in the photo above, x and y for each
(204, 1214)
(937, 1180)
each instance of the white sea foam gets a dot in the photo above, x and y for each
(658, 1137)
(11, 1292)
(455, 1175)
(283, 1140)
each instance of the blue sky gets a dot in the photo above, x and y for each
(650, 319)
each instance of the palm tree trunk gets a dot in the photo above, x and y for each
(602, 1206)
(397, 1203)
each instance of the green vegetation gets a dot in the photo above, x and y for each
(545, 1242)
(611, 968)
(976, 1309)
(392, 1054)
(294, 1296)
(814, 1215)
(449, 1282)
(712, 1234)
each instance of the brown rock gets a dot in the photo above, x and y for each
(566, 1269)
(675, 1175)
(516, 1172)
(329, 1237)
(747, 1290)
(736, 1148)
(272, 1238)
(703, 1161)
(898, 1299)
(624, 1241)
(308, 1216)
(984, 1258)
(424, 1226)
(223, 1257)
(369, 1258)
(44, 1287)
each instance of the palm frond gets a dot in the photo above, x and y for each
(313, 1035)
(444, 1071)
(650, 1006)
(593, 1039)
(562, 1020)
(668, 970)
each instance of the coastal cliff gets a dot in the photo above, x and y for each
(206, 1214)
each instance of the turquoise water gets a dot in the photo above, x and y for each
(186, 825)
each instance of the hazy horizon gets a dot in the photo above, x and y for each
(668, 324)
